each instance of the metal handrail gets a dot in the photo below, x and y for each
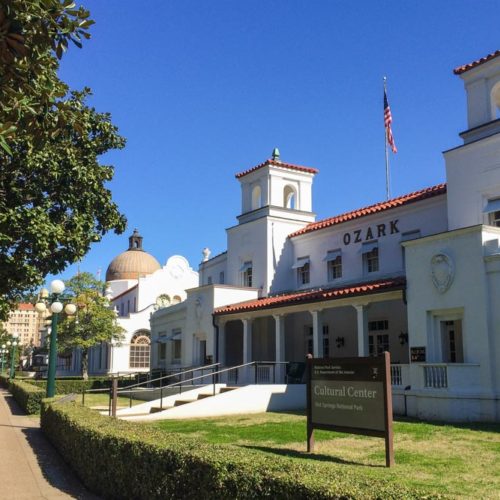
(199, 377)
(149, 381)
(182, 372)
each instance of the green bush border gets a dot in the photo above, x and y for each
(4, 381)
(125, 460)
(28, 396)
(72, 385)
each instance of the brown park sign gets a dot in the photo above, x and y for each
(351, 395)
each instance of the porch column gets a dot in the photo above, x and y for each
(222, 344)
(362, 320)
(247, 340)
(279, 321)
(248, 371)
(317, 324)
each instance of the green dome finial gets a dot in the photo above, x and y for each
(276, 154)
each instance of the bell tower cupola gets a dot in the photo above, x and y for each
(135, 241)
(482, 84)
(275, 187)
(473, 169)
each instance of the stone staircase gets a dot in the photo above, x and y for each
(227, 400)
(179, 402)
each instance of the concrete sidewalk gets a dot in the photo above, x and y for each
(30, 467)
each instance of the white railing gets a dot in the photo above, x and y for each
(231, 376)
(263, 374)
(435, 376)
(396, 375)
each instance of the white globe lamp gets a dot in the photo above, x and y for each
(57, 286)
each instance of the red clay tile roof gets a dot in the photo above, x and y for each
(320, 295)
(372, 209)
(25, 307)
(278, 163)
(473, 64)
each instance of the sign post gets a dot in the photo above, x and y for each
(351, 395)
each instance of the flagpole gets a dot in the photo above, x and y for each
(387, 181)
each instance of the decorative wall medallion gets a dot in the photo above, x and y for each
(176, 271)
(442, 271)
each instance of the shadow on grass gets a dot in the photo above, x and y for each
(472, 426)
(286, 452)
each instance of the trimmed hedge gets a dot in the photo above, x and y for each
(71, 385)
(125, 460)
(4, 381)
(28, 396)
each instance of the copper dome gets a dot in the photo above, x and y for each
(133, 263)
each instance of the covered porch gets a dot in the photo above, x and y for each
(276, 334)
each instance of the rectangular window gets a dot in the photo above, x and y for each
(247, 276)
(494, 219)
(302, 266)
(176, 350)
(492, 209)
(333, 261)
(452, 342)
(209, 280)
(378, 325)
(377, 344)
(303, 274)
(162, 351)
(326, 342)
(221, 277)
(128, 306)
(335, 268)
(246, 273)
(371, 261)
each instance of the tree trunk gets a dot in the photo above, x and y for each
(85, 364)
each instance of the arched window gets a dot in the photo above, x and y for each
(176, 299)
(140, 346)
(289, 197)
(256, 198)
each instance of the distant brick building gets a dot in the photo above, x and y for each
(27, 323)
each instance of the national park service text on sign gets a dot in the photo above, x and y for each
(351, 395)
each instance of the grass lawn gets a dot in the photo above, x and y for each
(102, 399)
(451, 460)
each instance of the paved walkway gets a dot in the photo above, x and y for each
(30, 468)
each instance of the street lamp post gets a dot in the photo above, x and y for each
(13, 353)
(57, 288)
(3, 351)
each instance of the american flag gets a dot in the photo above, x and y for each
(387, 123)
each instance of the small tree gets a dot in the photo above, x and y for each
(94, 321)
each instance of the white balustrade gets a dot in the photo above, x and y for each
(435, 376)
(396, 375)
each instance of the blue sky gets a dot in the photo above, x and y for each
(203, 90)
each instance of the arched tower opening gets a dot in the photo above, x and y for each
(290, 197)
(256, 197)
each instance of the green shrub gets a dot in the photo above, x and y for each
(28, 396)
(70, 385)
(4, 381)
(125, 460)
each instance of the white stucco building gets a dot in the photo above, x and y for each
(137, 285)
(418, 275)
